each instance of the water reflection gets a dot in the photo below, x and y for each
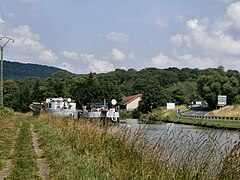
(187, 138)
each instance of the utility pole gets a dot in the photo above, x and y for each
(1, 64)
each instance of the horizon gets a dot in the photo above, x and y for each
(101, 36)
(201, 69)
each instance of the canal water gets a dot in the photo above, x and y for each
(179, 138)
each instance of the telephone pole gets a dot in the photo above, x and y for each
(1, 65)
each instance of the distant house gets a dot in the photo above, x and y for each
(131, 102)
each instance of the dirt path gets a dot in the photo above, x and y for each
(8, 168)
(42, 163)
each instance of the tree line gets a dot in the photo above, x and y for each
(159, 86)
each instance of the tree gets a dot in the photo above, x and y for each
(11, 94)
(184, 92)
(155, 95)
(215, 83)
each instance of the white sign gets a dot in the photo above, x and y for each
(199, 102)
(170, 106)
(114, 102)
(222, 100)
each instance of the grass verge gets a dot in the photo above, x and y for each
(24, 159)
(86, 150)
(170, 116)
(8, 127)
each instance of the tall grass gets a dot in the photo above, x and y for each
(8, 127)
(83, 149)
(227, 111)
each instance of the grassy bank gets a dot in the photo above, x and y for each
(170, 116)
(227, 111)
(24, 157)
(8, 127)
(87, 150)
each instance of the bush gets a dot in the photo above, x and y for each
(125, 114)
(5, 110)
(136, 114)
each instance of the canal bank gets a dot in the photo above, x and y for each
(170, 116)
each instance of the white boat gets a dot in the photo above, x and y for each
(67, 107)
(95, 111)
(57, 106)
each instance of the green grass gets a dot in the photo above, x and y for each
(227, 124)
(24, 159)
(64, 161)
(8, 127)
(86, 150)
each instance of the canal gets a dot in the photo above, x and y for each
(186, 139)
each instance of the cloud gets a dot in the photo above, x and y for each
(2, 21)
(70, 55)
(68, 67)
(26, 40)
(131, 56)
(48, 56)
(207, 44)
(161, 61)
(97, 65)
(117, 55)
(28, 47)
(207, 41)
(89, 62)
(233, 13)
(158, 22)
(116, 37)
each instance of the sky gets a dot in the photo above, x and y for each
(99, 36)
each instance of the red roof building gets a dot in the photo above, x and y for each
(130, 102)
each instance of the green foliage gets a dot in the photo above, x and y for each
(216, 82)
(158, 86)
(136, 113)
(125, 114)
(11, 94)
(184, 92)
(18, 71)
(5, 110)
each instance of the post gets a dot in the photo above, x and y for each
(1, 78)
(1, 68)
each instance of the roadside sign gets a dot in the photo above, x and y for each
(178, 111)
(222, 100)
(170, 106)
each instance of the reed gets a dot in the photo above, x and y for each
(84, 149)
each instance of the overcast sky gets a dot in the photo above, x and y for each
(102, 35)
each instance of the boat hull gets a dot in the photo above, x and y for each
(64, 112)
(114, 116)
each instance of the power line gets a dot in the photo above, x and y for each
(7, 32)
(1, 65)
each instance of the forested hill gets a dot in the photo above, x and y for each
(17, 71)
(158, 86)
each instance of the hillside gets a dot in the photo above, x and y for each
(17, 71)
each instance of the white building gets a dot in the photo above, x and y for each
(131, 102)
